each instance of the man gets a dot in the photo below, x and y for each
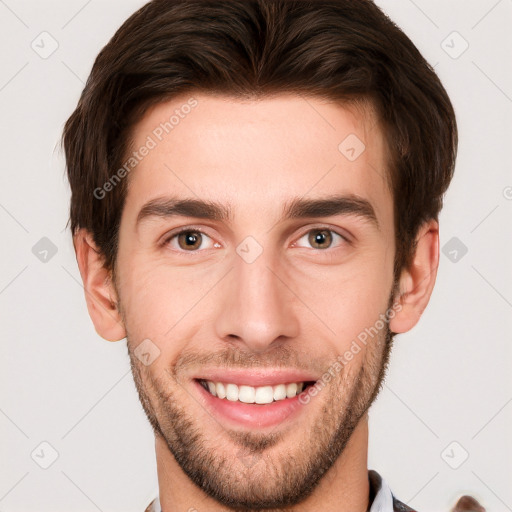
(255, 194)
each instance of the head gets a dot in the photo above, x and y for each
(324, 119)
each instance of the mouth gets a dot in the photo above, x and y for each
(254, 407)
(261, 395)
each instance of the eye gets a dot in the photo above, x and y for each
(189, 240)
(322, 238)
(192, 239)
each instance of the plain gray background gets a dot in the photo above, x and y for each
(438, 428)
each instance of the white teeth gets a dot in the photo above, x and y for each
(232, 392)
(211, 387)
(251, 395)
(264, 395)
(246, 394)
(221, 390)
(291, 390)
(280, 392)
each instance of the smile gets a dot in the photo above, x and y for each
(254, 395)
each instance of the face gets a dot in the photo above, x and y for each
(256, 250)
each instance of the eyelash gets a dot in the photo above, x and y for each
(191, 229)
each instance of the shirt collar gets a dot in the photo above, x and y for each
(383, 500)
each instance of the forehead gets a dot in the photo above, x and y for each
(257, 154)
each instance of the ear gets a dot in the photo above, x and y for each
(417, 282)
(100, 293)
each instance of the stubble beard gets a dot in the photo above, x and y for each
(253, 479)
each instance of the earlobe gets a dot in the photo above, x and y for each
(100, 293)
(417, 282)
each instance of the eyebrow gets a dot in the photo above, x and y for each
(297, 208)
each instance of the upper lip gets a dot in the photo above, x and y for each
(256, 377)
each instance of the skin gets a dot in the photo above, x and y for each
(298, 305)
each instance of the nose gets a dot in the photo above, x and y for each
(258, 309)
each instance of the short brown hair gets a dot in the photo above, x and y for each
(348, 51)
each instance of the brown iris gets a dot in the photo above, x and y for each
(318, 238)
(189, 240)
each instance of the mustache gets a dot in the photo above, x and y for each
(236, 358)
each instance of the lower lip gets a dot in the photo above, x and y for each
(251, 415)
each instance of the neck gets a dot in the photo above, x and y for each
(344, 488)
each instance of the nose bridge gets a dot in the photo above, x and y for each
(258, 308)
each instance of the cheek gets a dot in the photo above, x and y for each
(163, 302)
(352, 300)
